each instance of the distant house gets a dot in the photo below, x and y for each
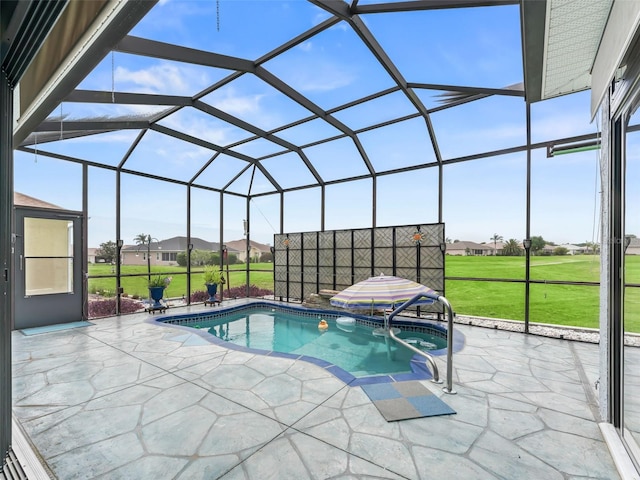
(164, 252)
(496, 249)
(255, 252)
(634, 246)
(571, 249)
(22, 200)
(465, 248)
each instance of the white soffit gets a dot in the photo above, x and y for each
(572, 37)
(621, 28)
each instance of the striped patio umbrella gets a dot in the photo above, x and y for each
(382, 292)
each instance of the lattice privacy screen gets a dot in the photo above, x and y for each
(307, 262)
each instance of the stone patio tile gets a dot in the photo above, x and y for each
(93, 460)
(148, 467)
(512, 425)
(295, 456)
(171, 400)
(239, 433)
(571, 454)
(568, 423)
(506, 460)
(561, 403)
(433, 463)
(84, 428)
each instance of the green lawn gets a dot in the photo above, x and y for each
(574, 305)
(137, 285)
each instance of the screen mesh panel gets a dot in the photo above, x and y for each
(308, 262)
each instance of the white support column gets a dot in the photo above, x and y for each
(605, 249)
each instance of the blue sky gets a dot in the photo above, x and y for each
(472, 47)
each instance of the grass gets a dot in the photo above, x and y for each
(137, 285)
(572, 305)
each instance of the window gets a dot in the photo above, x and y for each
(48, 256)
(169, 256)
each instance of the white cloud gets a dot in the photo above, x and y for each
(163, 78)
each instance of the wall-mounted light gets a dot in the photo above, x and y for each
(190, 246)
(272, 249)
(443, 247)
(526, 243)
(120, 243)
(553, 150)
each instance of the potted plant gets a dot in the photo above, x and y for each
(157, 284)
(212, 277)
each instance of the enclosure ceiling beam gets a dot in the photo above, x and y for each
(167, 51)
(53, 126)
(80, 62)
(211, 146)
(113, 168)
(516, 90)
(293, 94)
(228, 118)
(95, 96)
(131, 149)
(341, 9)
(373, 45)
(40, 138)
(303, 37)
(429, 5)
(213, 111)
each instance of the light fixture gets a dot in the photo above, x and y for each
(190, 246)
(120, 243)
(443, 247)
(526, 243)
(553, 150)
(272, 249)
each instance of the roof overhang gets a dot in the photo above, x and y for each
(560, 42)
(83, 35)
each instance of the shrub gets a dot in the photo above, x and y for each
(199, 296)
(235, 292)
(107, 307)
(241, 292)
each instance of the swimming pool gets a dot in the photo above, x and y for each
(351, 351)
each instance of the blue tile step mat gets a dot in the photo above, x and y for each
(54, 328)
(405, 400)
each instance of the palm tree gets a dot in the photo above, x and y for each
(496, 238)
(141, 239)
(511, 248)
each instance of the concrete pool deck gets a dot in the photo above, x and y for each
(127, 399)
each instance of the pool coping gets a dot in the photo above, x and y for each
(419, 370)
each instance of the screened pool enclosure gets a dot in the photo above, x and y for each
(217, 122)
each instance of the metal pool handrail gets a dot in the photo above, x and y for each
(434, 367)
(449, 387)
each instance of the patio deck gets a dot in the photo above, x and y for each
(126, 399)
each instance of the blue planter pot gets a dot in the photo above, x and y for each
(156, 294)
(212, 289)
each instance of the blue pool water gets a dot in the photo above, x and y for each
(353, 348)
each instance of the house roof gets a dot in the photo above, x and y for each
(179, 244)
(240, 245)
(463, 245)
(20, 199)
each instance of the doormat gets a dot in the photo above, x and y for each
(405, 400)
(54, 328)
